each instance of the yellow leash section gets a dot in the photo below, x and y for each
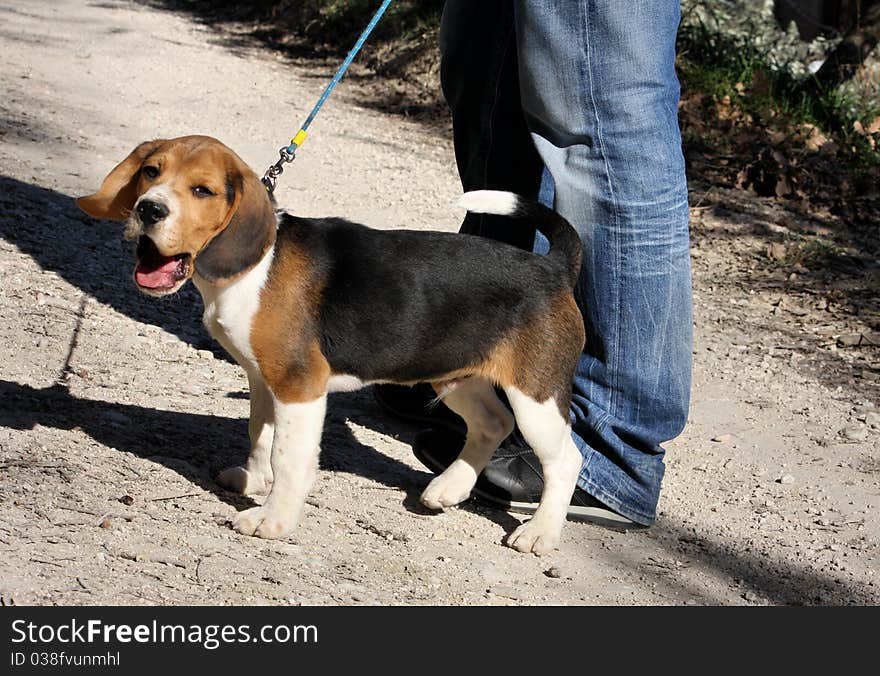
(299, 138)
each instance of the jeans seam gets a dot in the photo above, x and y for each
(614, 354)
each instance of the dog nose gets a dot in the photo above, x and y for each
(151, 212)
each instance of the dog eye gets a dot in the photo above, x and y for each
(150, 171)
(202, 191)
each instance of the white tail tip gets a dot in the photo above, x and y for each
(490, 202)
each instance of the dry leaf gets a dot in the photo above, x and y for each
(777, 137)
(815, 138)
(783, 186)
(776, 251)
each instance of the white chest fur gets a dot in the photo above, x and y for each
(229, 310)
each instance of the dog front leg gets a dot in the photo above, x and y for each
(255, 478)
(294, 462)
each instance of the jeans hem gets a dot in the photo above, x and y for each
(612, 501)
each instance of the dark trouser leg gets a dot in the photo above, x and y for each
(480, 78)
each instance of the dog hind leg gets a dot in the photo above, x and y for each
(488, 424)
(549, 434)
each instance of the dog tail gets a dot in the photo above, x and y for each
(565, 245)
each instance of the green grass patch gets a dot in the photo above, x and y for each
(732, 70)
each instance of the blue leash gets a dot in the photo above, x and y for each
(288, 153)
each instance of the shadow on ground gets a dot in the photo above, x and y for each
(92, 256)
(187, 443)
(757, 576)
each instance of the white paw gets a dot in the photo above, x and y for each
(263, 523)
(451, 487)
(535, 537)
(239, 480)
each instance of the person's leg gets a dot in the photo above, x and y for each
(600, 94)
(488, 424)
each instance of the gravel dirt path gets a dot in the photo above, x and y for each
(117, 410)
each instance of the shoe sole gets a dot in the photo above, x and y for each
(574, 513)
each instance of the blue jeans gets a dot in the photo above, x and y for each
(584, 92)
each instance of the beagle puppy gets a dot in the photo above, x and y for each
(311, 306)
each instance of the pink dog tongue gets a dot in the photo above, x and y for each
(159, 277)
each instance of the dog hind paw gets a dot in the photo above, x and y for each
(449, 489)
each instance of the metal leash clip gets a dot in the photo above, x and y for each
(270, 178)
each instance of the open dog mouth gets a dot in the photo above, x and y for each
(157, 272)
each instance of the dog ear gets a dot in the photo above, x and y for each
(117, 195)
(248, 232)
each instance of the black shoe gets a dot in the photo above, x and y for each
(418, 404)
(512, 480)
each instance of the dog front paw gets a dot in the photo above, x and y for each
(534, 537)
(263, 523)
(245, 482)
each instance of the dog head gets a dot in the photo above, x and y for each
(195, 208)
